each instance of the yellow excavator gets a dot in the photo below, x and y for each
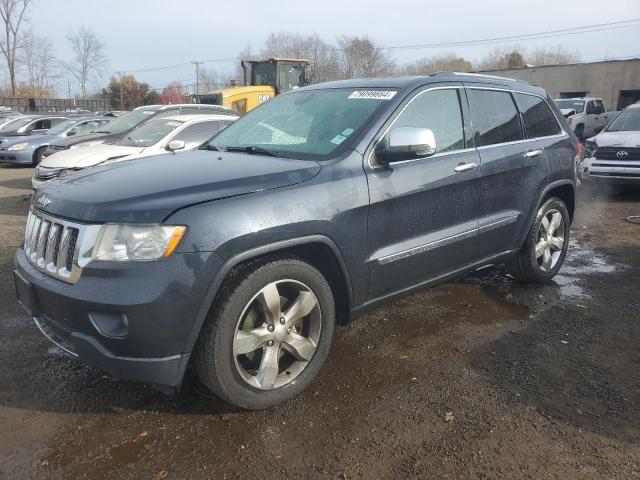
(263, 79)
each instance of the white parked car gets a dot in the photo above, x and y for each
(614, 154)
(162, 135)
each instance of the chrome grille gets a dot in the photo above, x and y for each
(53, 245)
(611, 153)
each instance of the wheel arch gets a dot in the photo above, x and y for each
(34, 157)
(563, 189)
(317, 250)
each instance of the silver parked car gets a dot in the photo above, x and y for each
(28, 149)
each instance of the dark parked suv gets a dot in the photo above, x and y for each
(240, 257)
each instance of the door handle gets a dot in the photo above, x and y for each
(533, 153)
(465, 167)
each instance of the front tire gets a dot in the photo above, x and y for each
(543, 253)
(268, 334)
(37, 156)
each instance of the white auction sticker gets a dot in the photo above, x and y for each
(373, 94)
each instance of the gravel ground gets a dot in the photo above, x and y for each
(482, 378)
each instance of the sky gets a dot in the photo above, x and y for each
(141, 34)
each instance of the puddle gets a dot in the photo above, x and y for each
(581, 260)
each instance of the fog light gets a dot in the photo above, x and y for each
(112, 325)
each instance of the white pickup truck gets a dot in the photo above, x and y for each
(586, 116)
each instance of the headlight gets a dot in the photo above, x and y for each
(589, 149)
(87, 144)
(18, 146)
(136, 242)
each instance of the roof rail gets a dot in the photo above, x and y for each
(479, 75)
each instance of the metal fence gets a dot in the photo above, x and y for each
(53, 104)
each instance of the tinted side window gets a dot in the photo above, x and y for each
(195, 135)
(599, 106)
(538, 119)
(440, 111)
(494, 116)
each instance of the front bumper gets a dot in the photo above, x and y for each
(133, 321)
(611, 171)
(17, 157)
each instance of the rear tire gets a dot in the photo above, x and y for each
(268, 333)
(543, 253)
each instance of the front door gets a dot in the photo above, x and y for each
(423, 211)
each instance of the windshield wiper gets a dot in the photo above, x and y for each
(100, 131)
(253, 150)
(210, 147)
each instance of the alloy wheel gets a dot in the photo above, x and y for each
(550, 240)
(277, 334)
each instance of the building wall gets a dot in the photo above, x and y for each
(599, 79)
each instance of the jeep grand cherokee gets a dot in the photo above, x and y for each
(240, 257)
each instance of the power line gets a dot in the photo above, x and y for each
(524, 36)
(485, 41)
(631, 23)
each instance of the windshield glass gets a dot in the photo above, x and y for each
(626, 121)
(126, 122)
(149, 133)
(304, 124)
(577, 105)
(16, 124)
(62, 126)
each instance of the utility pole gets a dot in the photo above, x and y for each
(121, 95)
(197, 64)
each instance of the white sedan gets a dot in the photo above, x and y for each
(162, 135)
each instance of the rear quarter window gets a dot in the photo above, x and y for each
(537, 117)
(494, 117)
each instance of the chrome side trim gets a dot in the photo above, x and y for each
(497, 224)
(447, 240)
(427, 247)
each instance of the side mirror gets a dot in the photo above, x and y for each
(174, 145)
(71, 132)
(405, 143)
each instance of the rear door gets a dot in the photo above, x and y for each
(423, 213)
(508, 165)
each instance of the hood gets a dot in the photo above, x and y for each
(149, 189)
(88, 137)
(617, 139)
(12, 133)
(36, 140)
(84, 157)
(567, 112)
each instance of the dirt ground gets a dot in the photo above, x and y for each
(482, 378)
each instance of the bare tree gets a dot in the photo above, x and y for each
(13, 14)
(503, 58)
(360, 57)
(448, 62)
(38, 57)
(555, 55)
(322, 56)
(89, 58)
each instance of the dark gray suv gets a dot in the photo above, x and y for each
(240, 257)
